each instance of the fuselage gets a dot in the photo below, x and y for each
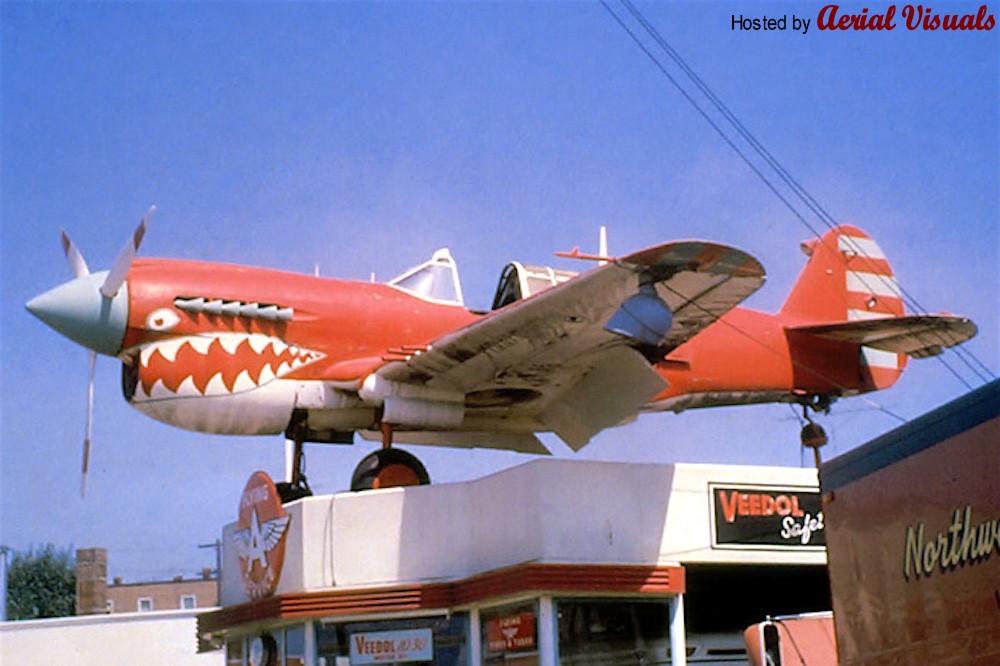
(238, 350)
(750, 357)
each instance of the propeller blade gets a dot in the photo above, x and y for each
(77, 264)
(90, 418)
(116, 276)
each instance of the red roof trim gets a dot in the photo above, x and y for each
(520, 579)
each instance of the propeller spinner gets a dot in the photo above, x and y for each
(92, 310)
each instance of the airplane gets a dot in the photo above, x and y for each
(239, 350)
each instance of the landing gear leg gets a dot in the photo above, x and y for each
(813, 435)
(296, 487)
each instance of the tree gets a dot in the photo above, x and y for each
(41, 584)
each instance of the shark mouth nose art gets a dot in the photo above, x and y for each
(210, 365)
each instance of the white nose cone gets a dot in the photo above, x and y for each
(78, 310)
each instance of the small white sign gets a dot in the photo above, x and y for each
(382, 647)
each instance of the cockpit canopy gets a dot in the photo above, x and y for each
(437, 280)
(434, 280)
(519, 281)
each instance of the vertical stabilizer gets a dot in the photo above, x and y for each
(848, 278)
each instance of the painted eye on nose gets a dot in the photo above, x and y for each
(163, 319)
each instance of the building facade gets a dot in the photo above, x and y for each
(552, 562)
(177, 594)
(94, 596)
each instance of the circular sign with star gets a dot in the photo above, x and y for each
(260, 536)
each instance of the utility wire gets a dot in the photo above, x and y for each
(797, 189)
(783, 174)
(803, 195)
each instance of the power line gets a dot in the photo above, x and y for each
(790, 182)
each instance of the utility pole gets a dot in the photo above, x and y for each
(217, 545)
(3, 582)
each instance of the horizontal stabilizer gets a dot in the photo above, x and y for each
(919, 336)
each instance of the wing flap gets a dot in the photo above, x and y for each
(615, 388)
(917, 335)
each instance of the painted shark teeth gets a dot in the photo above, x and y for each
(215, 364)
(187, 387)
(243, 383)
(258, 342)
(167, 348)
(200, 343)
(266, 375)
(216, 386)
(231, 342)
(159, 391)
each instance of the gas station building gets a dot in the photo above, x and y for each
(552, 562)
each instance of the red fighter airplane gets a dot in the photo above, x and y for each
(236, 350)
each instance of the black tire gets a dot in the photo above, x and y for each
(289, 493)
(813, 436)
(389, 468)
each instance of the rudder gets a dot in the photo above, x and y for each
(849, 278)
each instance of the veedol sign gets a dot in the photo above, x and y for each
(260, 536)
(767, 517)
(392, 647)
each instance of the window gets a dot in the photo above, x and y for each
(436, 641)
(295, 645)
(145, 604)
(189, 601)
(613, 633)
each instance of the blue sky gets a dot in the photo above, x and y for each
(362, 137)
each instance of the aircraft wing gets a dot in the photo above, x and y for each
(549, 358)
(917, 335)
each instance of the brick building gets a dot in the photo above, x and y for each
(179, 593)
(95, 596)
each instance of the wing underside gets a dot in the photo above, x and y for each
(547, 363)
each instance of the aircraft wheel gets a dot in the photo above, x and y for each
(389, 468)
(813, 436)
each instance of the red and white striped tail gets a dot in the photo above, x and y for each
(849, 278)
(872, 293)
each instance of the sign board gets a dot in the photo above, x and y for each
(766, 517)
(260, 536)
(511, 633)
(392, 647)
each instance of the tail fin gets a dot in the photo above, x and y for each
(848, 279)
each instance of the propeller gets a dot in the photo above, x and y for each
(90, 419)
(112, 284)
(116, 276)
(78, 266)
